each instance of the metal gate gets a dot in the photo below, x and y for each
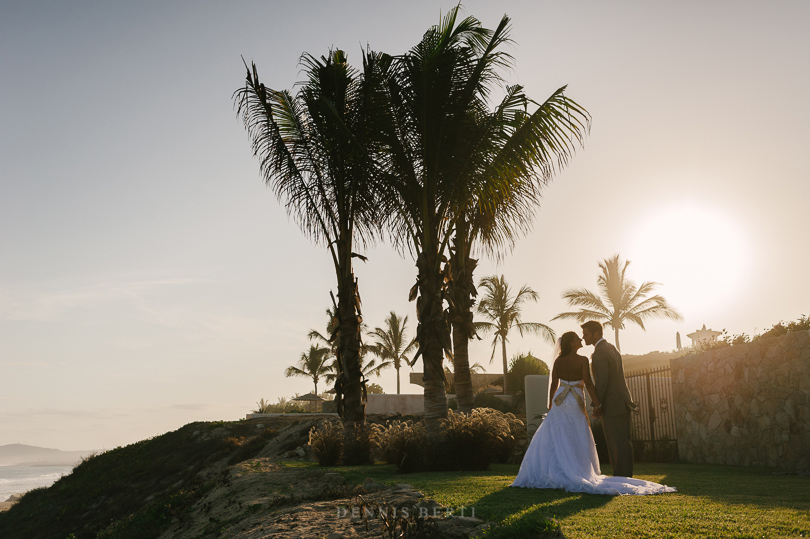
(653, 422)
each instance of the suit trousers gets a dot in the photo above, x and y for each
(619, 444)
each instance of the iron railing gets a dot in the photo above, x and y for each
(653, 422)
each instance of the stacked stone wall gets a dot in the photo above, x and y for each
(746, 404)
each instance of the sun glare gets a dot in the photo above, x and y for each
(698, 254)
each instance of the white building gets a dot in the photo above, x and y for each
(703, 336)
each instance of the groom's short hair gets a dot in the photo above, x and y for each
(593, 326)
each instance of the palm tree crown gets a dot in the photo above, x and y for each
(504, 310)
(621, 301)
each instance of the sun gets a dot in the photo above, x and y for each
(698, 253)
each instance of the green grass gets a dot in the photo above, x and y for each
(712, 501)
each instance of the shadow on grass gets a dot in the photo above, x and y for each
(551, 503)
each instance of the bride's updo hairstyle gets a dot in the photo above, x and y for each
(568, 338)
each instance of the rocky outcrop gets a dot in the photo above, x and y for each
(746, 404)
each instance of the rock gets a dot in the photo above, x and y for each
(300, 452)
(259, 425)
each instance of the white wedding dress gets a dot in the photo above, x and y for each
(562, 453)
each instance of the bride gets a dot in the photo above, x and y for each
(562, 453)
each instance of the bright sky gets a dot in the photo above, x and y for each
(149, 279)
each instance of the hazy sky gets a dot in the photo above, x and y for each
(148, 278)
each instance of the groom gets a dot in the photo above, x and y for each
(608, 377)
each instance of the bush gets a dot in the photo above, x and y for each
(357, 449)
(402, 443)
(326, 440)
(520, 367)
(472, 442)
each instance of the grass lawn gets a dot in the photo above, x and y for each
(712, 501)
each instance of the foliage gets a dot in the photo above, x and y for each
(778, 329)
(622, 301)
(468, 442)
(374, 389)
(282, 406)
(134, 491)
(402, 443)
(520, 367)
(473, 441)
(357, 448)
(326, 440)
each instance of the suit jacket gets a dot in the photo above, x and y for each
(608, 375)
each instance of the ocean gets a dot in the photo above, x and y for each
(16, 479)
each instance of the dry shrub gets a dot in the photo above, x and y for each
(357, 446)
(472, 442)
(326, 440)
(402, 443)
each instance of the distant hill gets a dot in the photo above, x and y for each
(29, 455)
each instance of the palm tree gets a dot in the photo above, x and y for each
(317, 152)
(313, 364)
(436, 91)
(621, 300)
(503, 310)
(391, 345)
(508, 157)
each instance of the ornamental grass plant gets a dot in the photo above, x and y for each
(326, 441)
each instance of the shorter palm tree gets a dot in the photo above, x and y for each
(314, 364)
(503, 310)
(621, 300)
(391, 345)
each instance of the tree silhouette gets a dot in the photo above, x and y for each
(621, 301)
(313, 364)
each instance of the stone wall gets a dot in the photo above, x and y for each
(746, 404)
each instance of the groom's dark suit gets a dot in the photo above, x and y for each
(608, 377)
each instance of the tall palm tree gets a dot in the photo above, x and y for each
(509, 155)
(436, 91)
(317, 151)
(621, 300)
(503, 309)
(313, 364)
(391, 344)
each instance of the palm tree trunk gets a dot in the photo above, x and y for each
(397, 380)
(433, 336)
(349, 383)
(505, 367)
(616, 333)
(461, 289)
